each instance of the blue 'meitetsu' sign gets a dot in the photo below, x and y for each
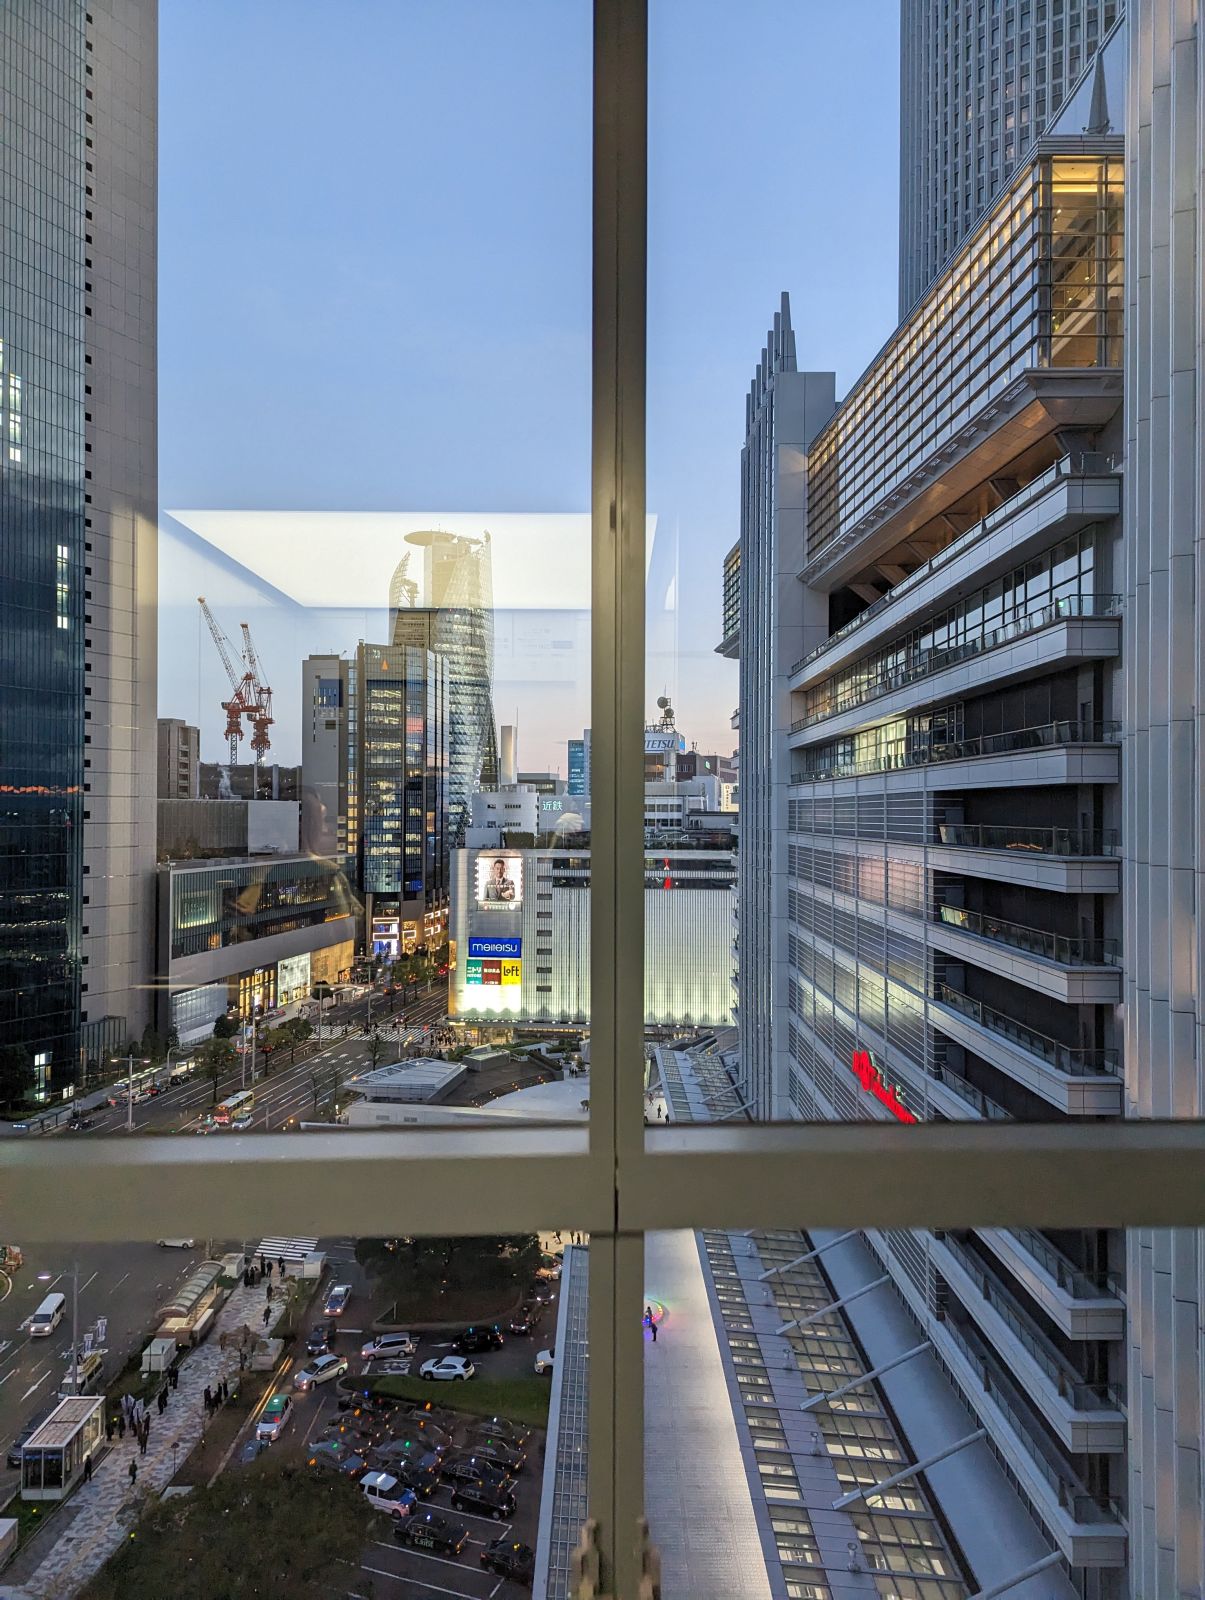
(512, 948)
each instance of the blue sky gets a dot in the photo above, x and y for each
(375, 265)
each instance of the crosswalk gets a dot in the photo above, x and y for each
(292, 1251)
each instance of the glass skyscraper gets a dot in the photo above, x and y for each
(42, 348)
(456, 588)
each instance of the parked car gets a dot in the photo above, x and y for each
(502, 1455)
(426, 1411)
(427, 1530)
(524, 1320)
(336, 1300)
(509, 1559)
(474, 1340)
(447, 1367)
(176, 1244)
(381, 1406)
(321, 1370)
(332, 1455)
(274, 1418)
(320, 1336)
(359, 1429)
(422, 1475)
(487, 1498)
(464, 1468)
(545, 1362)
(511, 1433)
(386, 1493)
(393, 1454)
(387, 1345)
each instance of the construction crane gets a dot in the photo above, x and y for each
(248, 697)
(261, 717)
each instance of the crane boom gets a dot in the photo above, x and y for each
(222, 642)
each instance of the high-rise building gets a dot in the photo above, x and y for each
(931, 912)
(579, 765)
(979, 84)
(78, 493)
(455, 585)
(375, 777)
(179, 759)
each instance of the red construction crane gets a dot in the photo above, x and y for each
(261, 717)
(248, 698)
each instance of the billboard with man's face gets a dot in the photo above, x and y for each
(499, 880)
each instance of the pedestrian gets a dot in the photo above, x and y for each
(88, 1468)
(208, 1397)
(175, 1377)
(162, 1401)
(133, 1472)
(121, 1425)
(261, 1261)
(109, 1431)
(268, 1272)
(280, 1262)
(225, 1391)
(242, 1360)
(142, 1445)
(269, 1294)
(653, 1326)
(267, 1315)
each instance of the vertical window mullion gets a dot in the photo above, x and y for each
(616, 1475)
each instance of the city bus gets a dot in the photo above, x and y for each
(234, 1105)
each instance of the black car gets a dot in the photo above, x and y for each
(510, 1560)
(465, 1468)
(420, 1474)
(321, 1334)
(333, 1456)
(486, 1498)
(524, 1320)
(474, 1340)
(370, 1403)
(13, 1458)
(511, 1433)
(427, 1530)
(501, 1455)
(357, 1429)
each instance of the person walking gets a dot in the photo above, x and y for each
(208, 1397)
(280, 1262)
(653, 1327)
(109, 1425)
(262, 1262)
(268, 1270)
(269, 1294)
(133, 1473)
(267, 1315)
(175, 1377)
(121, 1424)
(225, 1391)
(88, 1468)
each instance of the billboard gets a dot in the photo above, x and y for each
(495, 974)
(292, 978)
(499, 880)
(512, 948)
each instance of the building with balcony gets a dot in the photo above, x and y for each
(932, 704)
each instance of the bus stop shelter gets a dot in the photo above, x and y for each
(52, 1459)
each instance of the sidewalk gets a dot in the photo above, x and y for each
(60, 1560)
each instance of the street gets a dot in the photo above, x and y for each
(290, 1095)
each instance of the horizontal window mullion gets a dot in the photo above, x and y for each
(431, 1182)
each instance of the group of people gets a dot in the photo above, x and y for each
(253, 1274)
(134, 1414)
(215, 1398)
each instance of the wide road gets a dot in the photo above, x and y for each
(309, 1090)
(127, 1283)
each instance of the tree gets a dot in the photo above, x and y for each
(16, 1074)
(255, 1532)
(173, 1038)
(152, 1046)
(215, 1059)
(376, 1049)
(225, 1027)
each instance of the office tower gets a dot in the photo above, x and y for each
(979, 84)
(1161, 812)
(579, 765)
(455, 584)
(179, 759)
(931, 694)
(329, 798)
(77, 517)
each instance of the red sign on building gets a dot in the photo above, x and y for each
(871, 1079)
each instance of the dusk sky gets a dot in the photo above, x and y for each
(375, 275)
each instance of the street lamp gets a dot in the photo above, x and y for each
(130, 1087)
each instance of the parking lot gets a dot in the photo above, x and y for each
(396, 1571)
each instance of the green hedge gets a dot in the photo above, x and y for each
(519, 1399)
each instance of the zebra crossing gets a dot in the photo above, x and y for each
(291, 1251)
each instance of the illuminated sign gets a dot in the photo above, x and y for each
(499, 881)
(871, 1079)
(495, 974)
(495, 947)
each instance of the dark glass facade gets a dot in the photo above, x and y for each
(234, 902)
(42, 348)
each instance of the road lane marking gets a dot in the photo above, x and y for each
(398, 1577)
(411, 1550)
(34, 1386)
(119, 1283)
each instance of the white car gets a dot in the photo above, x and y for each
(320, 1371)
(386, 1493)
(545, 1361)
(387, 1345)
(241, 1122)
(274, 1418)
(176, 1244)
(447, 1367)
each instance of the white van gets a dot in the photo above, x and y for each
(48, 1316)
